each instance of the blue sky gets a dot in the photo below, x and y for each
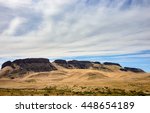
(103, 30)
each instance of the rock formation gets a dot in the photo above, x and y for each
(106, 66)
(111, 63)
(62, 63)
(35, 64)
(80, 64)
(75, 64)
(136, 70)
(8, 63)
(23, 66)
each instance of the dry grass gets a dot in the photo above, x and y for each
(77, 82)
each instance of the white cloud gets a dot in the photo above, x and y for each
(73, 28)
(14, 25)
(15, 3)
(49, 7)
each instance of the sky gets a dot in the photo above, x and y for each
(97, 30)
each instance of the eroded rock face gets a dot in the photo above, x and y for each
(80, 64)
(34, 64)
(23, 66)
(74, 64)
(136, 70)
(111, 63)
(96, 62)
(8, 63)
(106, 66)
(62, 63)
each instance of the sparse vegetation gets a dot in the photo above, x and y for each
(66, 91)
(82, 82)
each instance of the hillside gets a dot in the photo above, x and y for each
(72, 78)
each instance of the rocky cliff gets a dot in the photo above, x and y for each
(110, 64)
(106, 66)
(23, 66)
(136, 70)
(74, 64)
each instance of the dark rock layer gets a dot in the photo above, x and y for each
(136, 70)
(30, 64)
(80, 64)
(8, 63)
(111, 63)
(62, 63)
(22, 66)
(74, 64)
(106, 66)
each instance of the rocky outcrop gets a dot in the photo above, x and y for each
(74, 64)
(34, 64)
(8, 63)
(136, 70)
(62, 63)
(111, 63)
(23, 66)
(80, 64)
(106, 66)
(96, 62)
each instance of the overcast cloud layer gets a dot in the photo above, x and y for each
(71, 28)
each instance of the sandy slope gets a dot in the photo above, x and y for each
(80, 77)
